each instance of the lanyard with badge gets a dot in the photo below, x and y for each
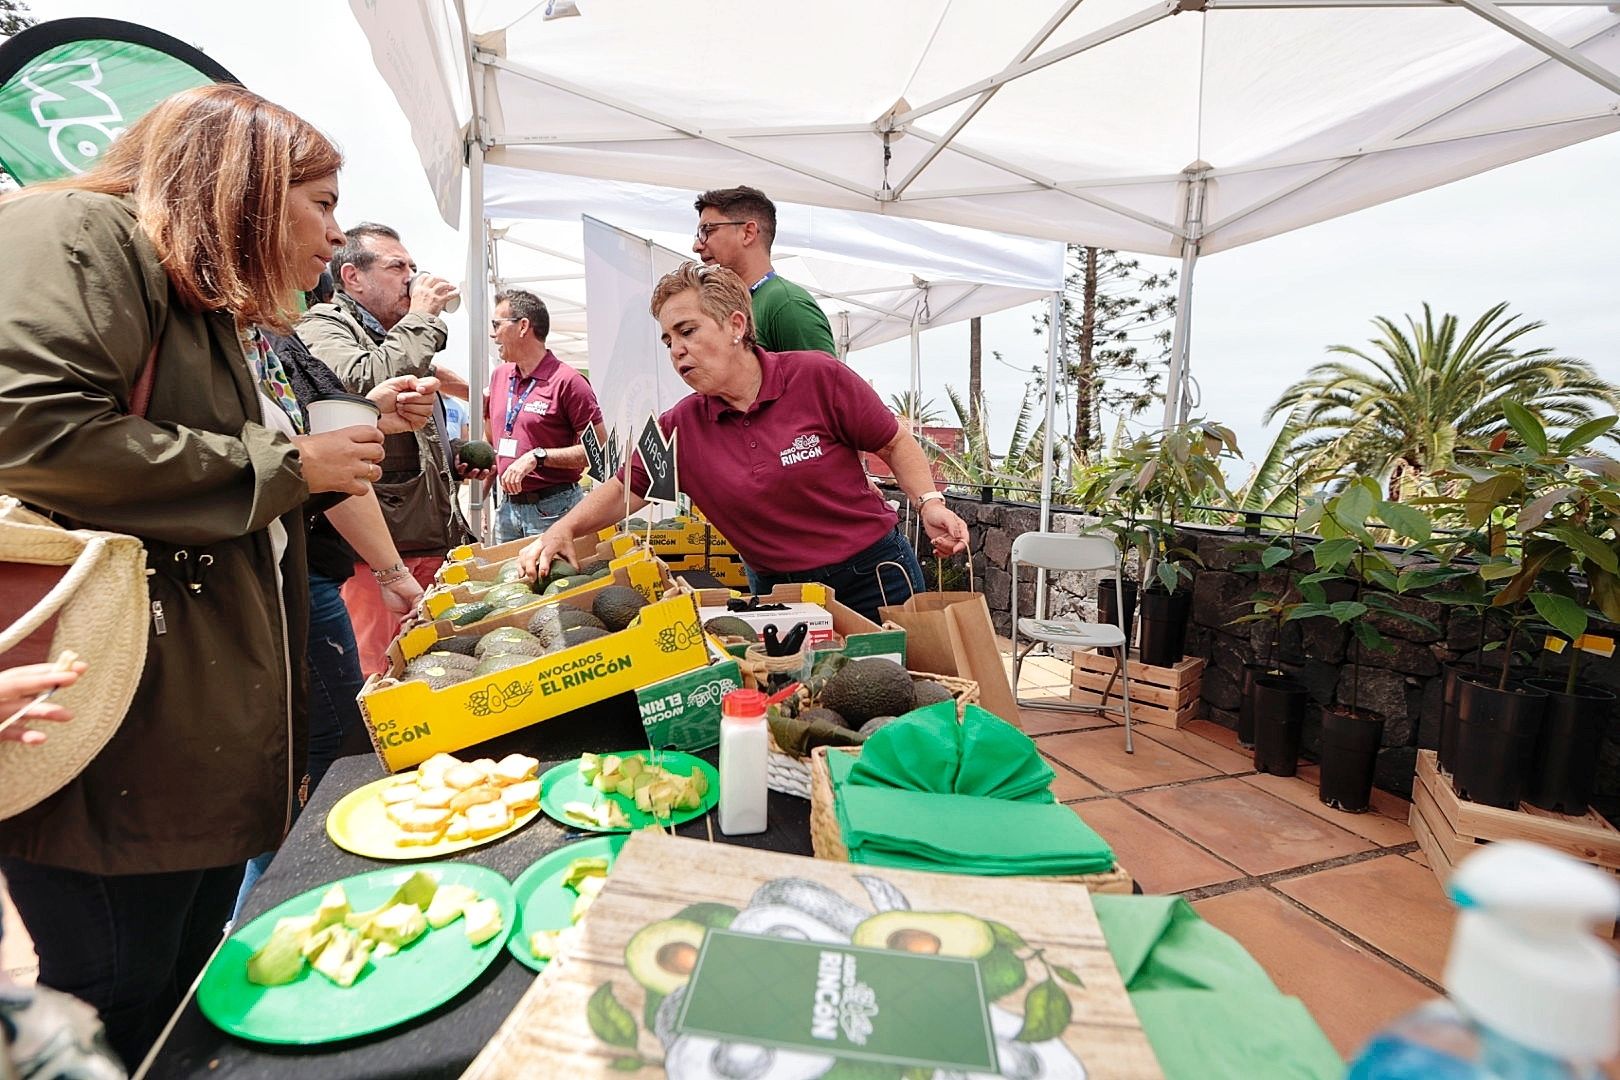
(514, 405)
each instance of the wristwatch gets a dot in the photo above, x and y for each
(539, 456)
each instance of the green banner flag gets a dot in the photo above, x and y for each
(69, 87)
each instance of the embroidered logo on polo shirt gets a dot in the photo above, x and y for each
(804, 448)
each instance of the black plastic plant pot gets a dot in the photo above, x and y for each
(1349, 755)
(1106, 605)
(1164, 626)
(1446, 748)
(1497, 732)
(1245, 731)
(1279, 717)
(1566, 763)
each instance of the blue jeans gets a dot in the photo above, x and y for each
(334, 683)
(514, 521)
(855, 581)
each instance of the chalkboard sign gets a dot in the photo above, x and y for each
(596, 464)
(659, 458)
(615, 453)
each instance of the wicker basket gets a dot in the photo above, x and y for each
(827, 839)
(791, 775)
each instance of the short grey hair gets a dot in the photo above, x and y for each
(355, 251)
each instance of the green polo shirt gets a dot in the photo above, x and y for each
(787, 319)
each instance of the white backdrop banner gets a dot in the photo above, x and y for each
(630, 369)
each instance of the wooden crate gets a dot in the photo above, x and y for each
(1165, 696)
(1449, 828)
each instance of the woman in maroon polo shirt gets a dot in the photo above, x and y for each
(769, 448)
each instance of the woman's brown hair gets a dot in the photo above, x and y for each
(720, 292)
(209, 169)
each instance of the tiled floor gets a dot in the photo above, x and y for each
(1341, 909)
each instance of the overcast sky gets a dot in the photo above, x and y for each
(1543, 235)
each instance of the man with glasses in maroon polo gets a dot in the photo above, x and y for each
(735, 229)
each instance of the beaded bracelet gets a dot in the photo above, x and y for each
(390, 574)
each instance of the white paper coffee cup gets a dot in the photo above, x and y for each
(341, 411)
(452, 305)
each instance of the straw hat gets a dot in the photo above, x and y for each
(97, 607)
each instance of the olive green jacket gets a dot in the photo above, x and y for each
(417, 492)
(202, 772)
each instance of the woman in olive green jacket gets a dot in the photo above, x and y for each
(199, 224)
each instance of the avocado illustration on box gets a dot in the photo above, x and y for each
(966, 997)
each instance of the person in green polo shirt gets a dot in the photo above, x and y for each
(735, 229)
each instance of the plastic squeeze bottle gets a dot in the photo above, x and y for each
(742, 762)
(1533, 995)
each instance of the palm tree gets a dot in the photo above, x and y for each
(974, 465)
(912, 407)
(1429, 395)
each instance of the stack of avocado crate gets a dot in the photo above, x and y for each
(1165, 696)
(692, 543)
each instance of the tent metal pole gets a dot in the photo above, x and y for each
(1054, 336)
(478, 254)
(1177, 403)
(1543, 43)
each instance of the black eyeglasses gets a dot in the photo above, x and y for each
(495, 324)
(707, 228)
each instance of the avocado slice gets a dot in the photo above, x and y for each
(942, 933)
(661, 955)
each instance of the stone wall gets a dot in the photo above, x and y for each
(1402, 685)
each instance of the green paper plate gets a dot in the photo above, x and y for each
(563, 785)
(543, 902)
(312, 1009)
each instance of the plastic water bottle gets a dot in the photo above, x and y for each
(1533, 995)
(742, 763)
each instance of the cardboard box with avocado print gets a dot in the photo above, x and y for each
(623, 571)
(727, 569)
(697, 957)
(474, 562)
(862, 637)
(410, 721)
(683, 713)
(692, 537)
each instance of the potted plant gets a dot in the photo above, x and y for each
(1348, 555)
(1271, 703)
(1539, 739)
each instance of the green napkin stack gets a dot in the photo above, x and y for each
(928, 793)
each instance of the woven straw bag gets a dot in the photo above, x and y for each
(68, 589)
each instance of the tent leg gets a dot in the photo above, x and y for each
(477, 314)
(1048, 466)
(1177, 400)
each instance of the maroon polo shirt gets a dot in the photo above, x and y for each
(550, 409)
(783, 481)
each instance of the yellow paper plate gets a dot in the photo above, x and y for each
(359, 823)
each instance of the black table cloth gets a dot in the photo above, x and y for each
(443, 1042)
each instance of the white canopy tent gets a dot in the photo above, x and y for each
(1170, 127)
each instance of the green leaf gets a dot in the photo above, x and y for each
(1333, 554)
(1383, 578)
(1308, 611)
(1483, 496)
(1525, 424)
(1534, 513)
(1586, 433)
(1345, 610)
(1313, 593)
(1593, 549)
(1046, 1012)
(1274, 555)
(1354, 506)
(1167, 575)
(1498, 571)
(1066, 975)
(610, 1021)
(628, 1064)
(1370, 638)
(1606, 594)
(1407, 521)
(1565, 615)
(1006, 936)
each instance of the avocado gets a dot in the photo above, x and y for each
(578, 635)
(510, 572)
(593, 567)
(730, 626)
(670, 523)
(942, 933)
(452, 659)
(821, 712)
(437, 675)
(866, 688)
(599, 573)
(281, 959)
(1001, 972)
(476, 454)
(554, 586)
(634, 523)
(545, 625)
(570, 617)
(874, 724)
(661, 955)
(462, 645)
(927, 692)
(489, 665)
(502, 594)
(504, 640)
(617, 605)
(561, 567)
(464, 614)
(718, 916)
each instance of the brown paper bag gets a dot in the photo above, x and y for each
(950, 633)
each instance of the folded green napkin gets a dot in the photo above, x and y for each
(965, 834)
(1209, 1010)
(927, 750)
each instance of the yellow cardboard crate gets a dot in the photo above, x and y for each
(409, 722)
(639, 570)
(473, 562)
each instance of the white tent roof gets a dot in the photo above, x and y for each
(872, 275)
(1075, 121)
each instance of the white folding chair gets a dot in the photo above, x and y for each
(1072, 551)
